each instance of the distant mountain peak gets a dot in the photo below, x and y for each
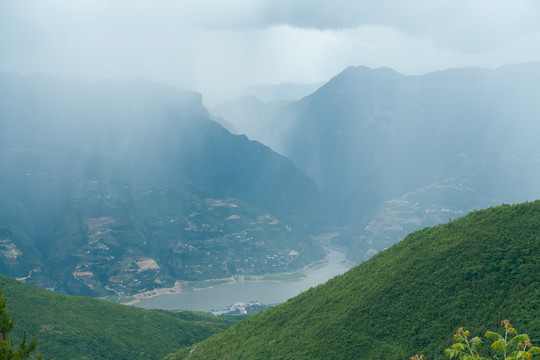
(350, 79)
(363, 70)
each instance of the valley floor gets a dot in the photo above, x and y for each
(268, 289)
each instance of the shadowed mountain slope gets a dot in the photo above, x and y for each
(122, 186)
(371, 138)
(370, 135)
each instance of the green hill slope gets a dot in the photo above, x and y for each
(73, 327)
(411, 298)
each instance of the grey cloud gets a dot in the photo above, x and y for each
(212, 45)
(323, 15)
(466, 26)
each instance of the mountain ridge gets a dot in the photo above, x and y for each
(104, 177)
(75, 327)
(369, 136)
(407, 299)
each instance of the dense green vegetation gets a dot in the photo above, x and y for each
(472, 272)
(77, 328)
(8, 349)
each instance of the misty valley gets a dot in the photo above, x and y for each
(131, 190)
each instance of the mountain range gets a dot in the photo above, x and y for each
(393, 153)
(121, 186)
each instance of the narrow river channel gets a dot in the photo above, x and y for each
(220, 296)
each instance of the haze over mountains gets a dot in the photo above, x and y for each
(125, 186)
(394, 153)
(288, 91)
(122, 186)
(128, 182)
(140, 165)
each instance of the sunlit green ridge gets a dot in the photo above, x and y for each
(77, 328)
(409, 299)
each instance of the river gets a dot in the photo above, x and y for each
(220, 296)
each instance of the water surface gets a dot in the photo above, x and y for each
(265, 292)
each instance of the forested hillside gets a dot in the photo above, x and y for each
(410, 299)
(79, 328)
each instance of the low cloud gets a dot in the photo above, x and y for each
(212, 46)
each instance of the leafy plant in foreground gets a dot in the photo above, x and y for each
(515, 348)
(464, 348)
(520, 342)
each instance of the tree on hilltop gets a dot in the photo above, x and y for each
(7, 349)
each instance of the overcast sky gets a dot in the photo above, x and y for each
(214, 45)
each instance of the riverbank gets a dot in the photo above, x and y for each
(243, 289)
(209, 284)
(179, 286)
(175, 290)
